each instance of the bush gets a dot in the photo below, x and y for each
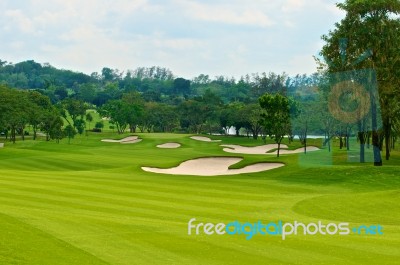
(96, 130)
(99, 125)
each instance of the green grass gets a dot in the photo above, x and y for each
(89, 202)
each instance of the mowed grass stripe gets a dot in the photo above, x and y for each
(123, 215)
(118, 196)
(137, 204)
(136, 187)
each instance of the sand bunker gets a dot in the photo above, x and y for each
(296, 151)
(203, 139)
(1, 145)
(169, 145)
(264, 149)
(254, 150)
(213, 166)
(126, 140)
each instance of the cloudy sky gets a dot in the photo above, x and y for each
(190, 37)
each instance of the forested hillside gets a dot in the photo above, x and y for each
(153, 99)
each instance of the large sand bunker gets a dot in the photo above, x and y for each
(169, 145)
(213, 166)
(264, 149)
(126, 140)
(203, 139)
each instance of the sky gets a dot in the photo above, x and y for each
(215, 37)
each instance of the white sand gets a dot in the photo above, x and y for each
(1, 145)
(263, 149)
(254, 150)
(169, 145)
(299, 150)
(132, 142)
(126, 140)
(203, 139)
(213, 166)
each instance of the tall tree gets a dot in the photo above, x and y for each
(371, 29)
(278, 110)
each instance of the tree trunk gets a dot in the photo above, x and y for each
(375, 136)
(255, 134)
(279, 148)
(362, 153)
(362, 138)
(12, 138)
(387, 128)
(34, 131)
(305, 143)
(341, 141)
(329, 143)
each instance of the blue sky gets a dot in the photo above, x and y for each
(220, 37)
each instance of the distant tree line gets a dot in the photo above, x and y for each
(152, 99)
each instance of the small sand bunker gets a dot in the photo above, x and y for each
(264, 149)
(254, 150)
(126, 140)
(298, 150)
(203, 139)
(213, 166)
(1, 145)
(169, 145)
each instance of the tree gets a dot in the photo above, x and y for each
(14, 110)
(87, 93)
(369, 36)
(278, 110)
(70, 132)
(181, 86)
(252, 119)
(192, 115)
(76, 110)
(52, 124)
(39, 106)
(161, 117)
(89, 118)
(118, 114)
(134, 105)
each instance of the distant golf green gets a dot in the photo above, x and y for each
(89, 202)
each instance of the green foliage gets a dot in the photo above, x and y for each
(277, 113)
(369, 37)
(99, 125)
(70, 132)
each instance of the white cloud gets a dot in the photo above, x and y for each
(18, 18)
(226, 14)
(293, 6)
(228, 37)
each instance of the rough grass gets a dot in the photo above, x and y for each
(89, 202)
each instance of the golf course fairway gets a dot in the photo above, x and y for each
(89, 202)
